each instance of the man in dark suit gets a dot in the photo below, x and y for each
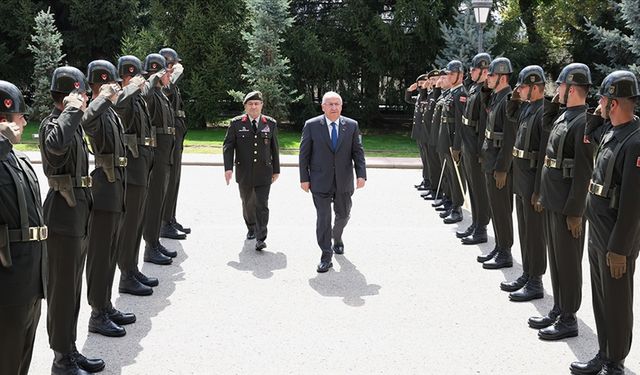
(329, 150)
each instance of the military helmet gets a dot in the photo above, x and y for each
(481, 61)
(11, 98)
(531, 75)
(154, 62)
(170, 55)
(67, 78)
(500, 65)
(129, 66)
(575, 74)
(102, 71)
(620, 84)
(455, 66)
(433, 73)
(422, 77)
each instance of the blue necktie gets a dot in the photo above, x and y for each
(334, 136)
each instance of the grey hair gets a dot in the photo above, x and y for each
(331, 95)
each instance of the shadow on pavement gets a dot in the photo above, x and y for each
(260, 263)
(347, 283)
(121, 352)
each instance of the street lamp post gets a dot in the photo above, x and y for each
(481, 12)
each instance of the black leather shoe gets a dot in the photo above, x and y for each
(260, 245)
(166, 252)
(153, 255)
(129, 284)
(484, 258)
(100, 323)
(65, 364)
(419, 185)
(444, 213)
(532, 290)
(429, 197)
(338, 248)
(251, 235)
(612, 368)
(454, 217)
(88, 364)
(540, 322)
(324, 267)
(424, 187)
(168, 231)
(438, 203)
(502, 259)
(565, 326)
(475, 239)
(512, 286)
(119, 317)
(148, 281)
(592, 367)
(467, 232)
(179, 227)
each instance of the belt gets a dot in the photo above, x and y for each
(147, 141)
(553, 163)
(121, 161)
(597, 189)
(82, 182)
(35, 234)
(448, 120)
(468, 122)
(522, 154)
(170, 130)
(497, 136)
(79, 182)
(180, 114)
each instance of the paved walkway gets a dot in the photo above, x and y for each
(405, 298)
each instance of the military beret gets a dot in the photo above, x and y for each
(421, 77)
(253, 95)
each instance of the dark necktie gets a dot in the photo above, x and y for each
(254, 126)
(334, 136)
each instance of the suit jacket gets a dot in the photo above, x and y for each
(326, 170)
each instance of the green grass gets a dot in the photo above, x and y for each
(377, 143)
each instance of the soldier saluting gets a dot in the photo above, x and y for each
(251, 144)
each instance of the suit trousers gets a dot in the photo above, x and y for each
(324, 231)
(131, 233)
(434, 166)
(501, 204)
(456, 185)
(19, 324)
(102, 256)
(612, 304)
(425, 161)
(66, 257)
(565, 262)
(171, 199)
(531, 231)
(158, 185)
(445, 184)
(255, 208)
(477, 186)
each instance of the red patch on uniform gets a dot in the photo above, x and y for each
(244, 118)
(585, 139)
(103, 76)
(463, 99)
(8, 103)
(154, 65)
(638, 162)
(76, 85)
(264, 120)
(131, 69)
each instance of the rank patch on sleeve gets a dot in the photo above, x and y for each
(638, 162)
(463, 99)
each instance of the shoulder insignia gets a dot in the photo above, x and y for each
(237, 118)
(585, 139)
(463, 99)
(245, 118)
(638, 162)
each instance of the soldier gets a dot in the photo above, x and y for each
(452, 117)
(67, 208)
(417, 131)
(525, 107)
(442, 149)
(565, 180)
(22, 240)
(140, 142)
(251, 144)
(162, 119)
(472, 134)
(105, 133)
(496, 161)
(613, 210)
(431, 134)
(170, 226)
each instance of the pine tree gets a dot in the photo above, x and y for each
(461, 38)
(267, 70)
(47, 54)
(621, 45)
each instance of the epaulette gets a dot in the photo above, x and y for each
(269, 118)
(238, 118)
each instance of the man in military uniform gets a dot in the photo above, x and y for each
(431, 135)
(613, 210)
(496, 161)
(140, 142)
(162, 119)
(452, 117)
(417, 132)
(106, 136)
(67, 208)
(565, 180)
(442, 149)
(171, 228)
(472, 133)
(22, 235)
(251, 144)
(525, 108)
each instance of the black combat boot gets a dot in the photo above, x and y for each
(479, 235)
(130, 284)
(148, 281)
(502, 259)
(64, 364)
(169, 231)
(100, 323)
(179, 226)
(592, 367)
(166, 252)
(512, 286)
(532, 290)
(540, 322)
(87, 364)
(467, 232)
(485, 258)
(565, 326)
(454, 217)
(612, 368)
(119, 317)
(153, 255)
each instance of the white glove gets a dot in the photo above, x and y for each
(178, 69)
(11, 131)
(137, 81)
(74, 100)
(110, 91)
